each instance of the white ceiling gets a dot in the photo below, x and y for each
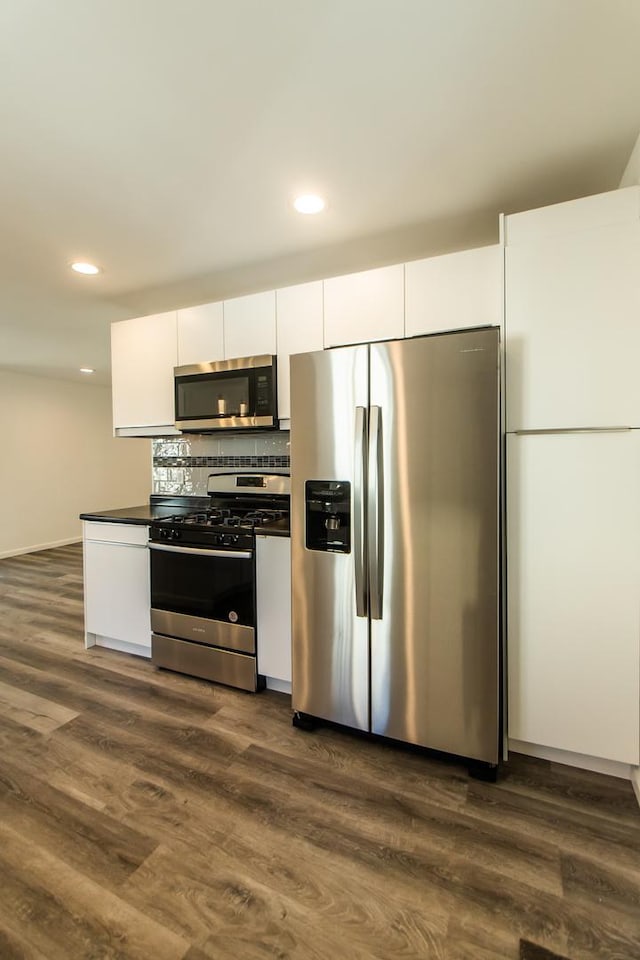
(164, 139)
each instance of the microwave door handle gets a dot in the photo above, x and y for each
(375, 513)
(359, 515)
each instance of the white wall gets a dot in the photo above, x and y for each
(58, 459)
(631, 175)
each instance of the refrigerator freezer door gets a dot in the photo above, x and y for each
(434, 653)
(328, 442)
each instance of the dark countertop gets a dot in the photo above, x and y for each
(279, 528)
(146, 513)
(142, 515)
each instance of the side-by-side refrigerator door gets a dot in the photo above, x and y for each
(330, 630)
(433, 542)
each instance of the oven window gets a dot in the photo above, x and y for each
(218, 588)
(209, 396)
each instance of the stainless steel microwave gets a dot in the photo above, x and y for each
(238, 394)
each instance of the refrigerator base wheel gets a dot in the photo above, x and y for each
(303, 721)
(483, 771)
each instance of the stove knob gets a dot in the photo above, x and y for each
(164, 534)
(176, 534)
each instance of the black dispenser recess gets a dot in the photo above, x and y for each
(328, 515)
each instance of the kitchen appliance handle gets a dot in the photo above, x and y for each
(375, 513)
(203, 551)
(359, 512)
(558, 430)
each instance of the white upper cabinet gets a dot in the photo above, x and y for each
(200, 334)
(454, 291)
(573, 553)
(250, 325)
(299, 329)
(364, 306)
(144, 352)
(572, 314)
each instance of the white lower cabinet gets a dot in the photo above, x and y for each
(273, 588)
(573, 588)
(117, 595)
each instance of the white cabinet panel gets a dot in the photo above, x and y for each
(573, 582)
(273, 589)
(299, 330)
(364, 306)
(144, 352)
(116, 532)
(572, 306)
(117, 594)
(250, 325)
(200, 334)
(454, 291)
(573, 216)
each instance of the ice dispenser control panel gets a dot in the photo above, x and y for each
(328, 515)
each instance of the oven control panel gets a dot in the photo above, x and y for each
(198, 537)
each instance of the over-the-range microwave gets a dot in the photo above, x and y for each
(239, 394)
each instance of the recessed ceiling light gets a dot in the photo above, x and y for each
(89, 269)
(309, 203)
(87, 370)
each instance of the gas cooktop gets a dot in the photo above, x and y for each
(240, 504)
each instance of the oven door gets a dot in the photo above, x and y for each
(203, 595)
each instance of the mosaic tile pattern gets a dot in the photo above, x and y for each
(182, 466)
(257, 461)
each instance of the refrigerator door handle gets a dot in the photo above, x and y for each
(375, 513)
(359, 512)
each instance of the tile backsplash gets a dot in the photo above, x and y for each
(181, 465)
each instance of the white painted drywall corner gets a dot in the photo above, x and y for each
(58, 458)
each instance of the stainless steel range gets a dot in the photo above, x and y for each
(203, 597)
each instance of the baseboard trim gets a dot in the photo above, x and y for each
(283, 686)
(612, 768)
(635, 782)
(39, 546)
(121, 646)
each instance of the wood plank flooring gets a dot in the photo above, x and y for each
(148, 816)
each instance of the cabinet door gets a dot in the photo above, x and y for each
(117, 592)
(364, 306)
(455, 291)
(143, 354)
(200, 334)
(572, 313)
(250, 325)
(273, 590)
(573, 582)
(299, 330)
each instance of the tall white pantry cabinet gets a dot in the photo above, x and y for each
(572, 329)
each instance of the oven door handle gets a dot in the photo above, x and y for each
(203, 551)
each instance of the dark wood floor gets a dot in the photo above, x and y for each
(146, 815)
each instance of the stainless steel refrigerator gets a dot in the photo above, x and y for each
(395, 526)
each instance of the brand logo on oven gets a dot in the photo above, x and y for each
(198, 629)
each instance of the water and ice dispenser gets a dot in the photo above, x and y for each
(328, 515)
